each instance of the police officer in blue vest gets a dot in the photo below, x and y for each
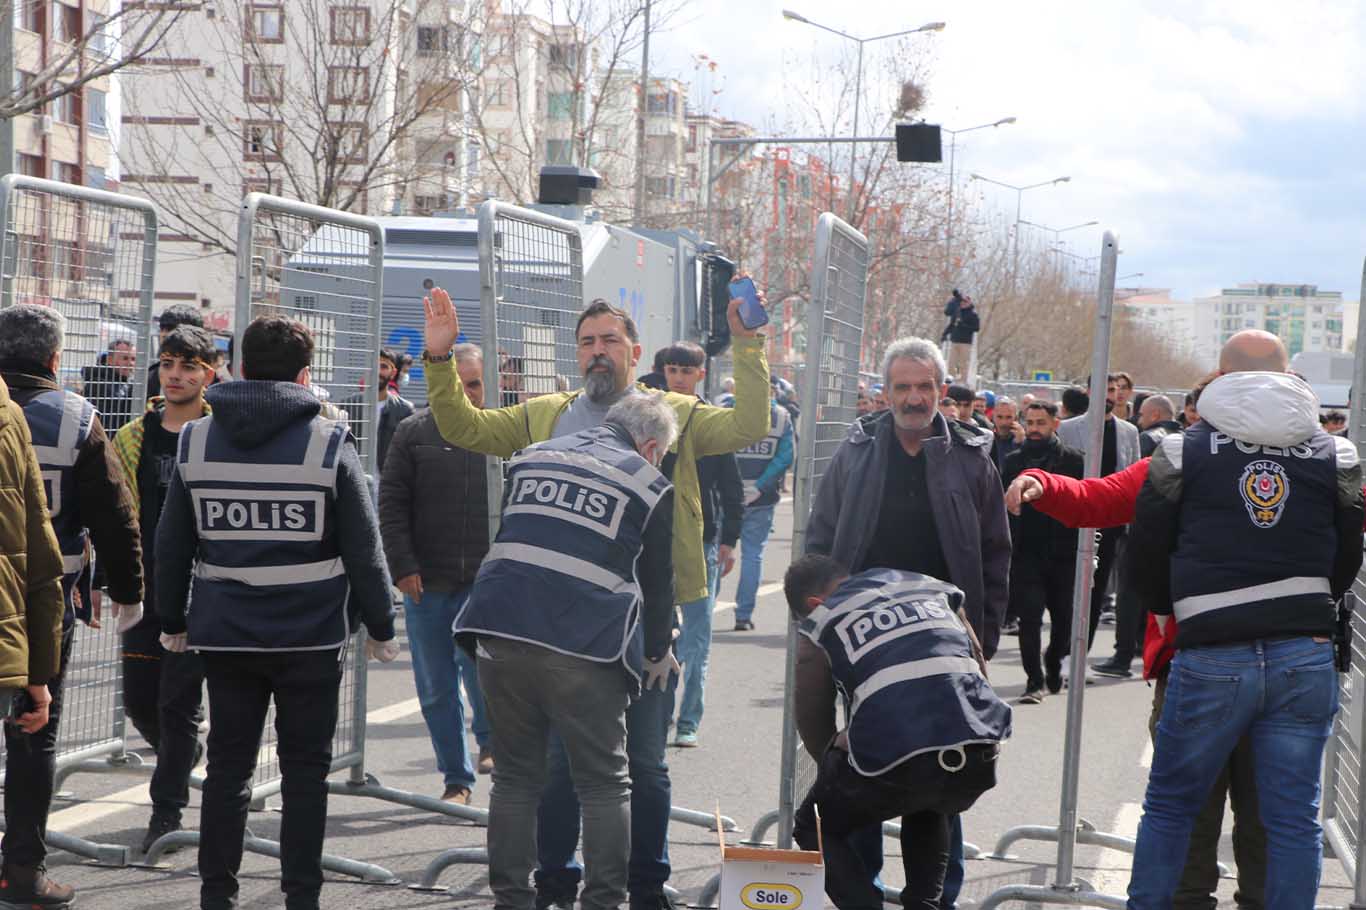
(269, 526)
(87, 500)
(574, 597)
(762, 466)
(923, 725)
(1258, 512)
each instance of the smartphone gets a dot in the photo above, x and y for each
(752, 312)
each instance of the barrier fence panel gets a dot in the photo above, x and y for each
(324, 268)
(1071, 829)
(1344, 798)
(90, 255)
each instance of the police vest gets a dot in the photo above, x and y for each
(562, 571)
(60, 424)
(903, 661)
(1255, 548)
(269, 573)
(754, 459)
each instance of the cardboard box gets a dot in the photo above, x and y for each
(756, 878)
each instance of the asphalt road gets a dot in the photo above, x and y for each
(736, 768)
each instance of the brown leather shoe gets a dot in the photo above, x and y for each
(485, 760)
(30, 886)
(457, 794)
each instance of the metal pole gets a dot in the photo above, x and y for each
(853, 151)
(640, 119)
(7, 91)
(1086, 549)
(948, 230)
(1015, 258)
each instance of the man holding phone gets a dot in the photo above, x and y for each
(608, 346)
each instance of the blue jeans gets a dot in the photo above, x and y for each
(694, 647)
(1283, 693)
(868, 842)
(647, 731)
(754, 531)
(439, 666)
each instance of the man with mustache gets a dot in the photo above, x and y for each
(911, 491)
(1044, 560)
(608, 349)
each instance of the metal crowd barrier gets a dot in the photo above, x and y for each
(1067, 888)
(323, 267)
(1344, 796)
(90, 255)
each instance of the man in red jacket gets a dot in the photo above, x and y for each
(1102, 502)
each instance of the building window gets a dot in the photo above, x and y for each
(351, 143)
(498, 94)
(348, 84)
(660, 186)
(30, 165)
(431, 203)
(28, 15)
(559, 151)
(265, 82)
(266, 185)
(692, 138)
(266, 24)
(262, 140)
(560, 105)
(566, 55)
(432, 40)
(66, 23)
(350, 25)
(94, 177)
(67, 107)
(96, 110)
(663, 103)
(68, 173)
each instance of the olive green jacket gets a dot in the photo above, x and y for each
(703, 430)
(31, 604)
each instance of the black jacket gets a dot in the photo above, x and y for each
(1034, 534)
(111, 394)
(963, 324)
(433, 506)
(105, 506)
(723, 494)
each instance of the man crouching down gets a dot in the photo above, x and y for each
(888, 640)
(575, 591)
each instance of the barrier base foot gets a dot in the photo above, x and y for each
(700, 819)
(474, 856)
(113, 855)
(761, 827)
(1086, 834)
(372, 788)
(711, 892)
(367, 872)
(1074, 895)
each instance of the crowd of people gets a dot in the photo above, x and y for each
(240, 542)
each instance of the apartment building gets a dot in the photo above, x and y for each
(1305, 318)
(326, 101)
(69, 138)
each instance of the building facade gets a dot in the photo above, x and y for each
(1304, 317)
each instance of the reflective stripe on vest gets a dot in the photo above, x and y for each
(269, 573)
(894, 639)
(60, 423)
(1187, 607)
(561, 573)
(754, 459)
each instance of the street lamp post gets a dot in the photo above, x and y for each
(1019, 209)
(858, 77)
(953, 154)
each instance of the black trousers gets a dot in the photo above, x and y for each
(1131, 619)
(305, 686)
(920, 792)
(142, 653)
(1037, 585)
(1106, 552)
(30, 766)
(180, 709)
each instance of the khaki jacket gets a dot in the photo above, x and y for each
(704, 430)
(31, 604)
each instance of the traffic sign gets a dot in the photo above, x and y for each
(1043, 375)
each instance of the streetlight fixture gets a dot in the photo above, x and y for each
(1019, 204)
(793, 16)
(953, 154)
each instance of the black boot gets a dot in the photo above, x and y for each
(28, 886)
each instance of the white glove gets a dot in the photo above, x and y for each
(126, 615)
(658, 671)
(175, 643)
(382, 651)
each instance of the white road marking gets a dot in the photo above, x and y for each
(1113, 866)
(764, 591)
(1147, 760)
(137, 796)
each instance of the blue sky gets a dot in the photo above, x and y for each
(1220, 139)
